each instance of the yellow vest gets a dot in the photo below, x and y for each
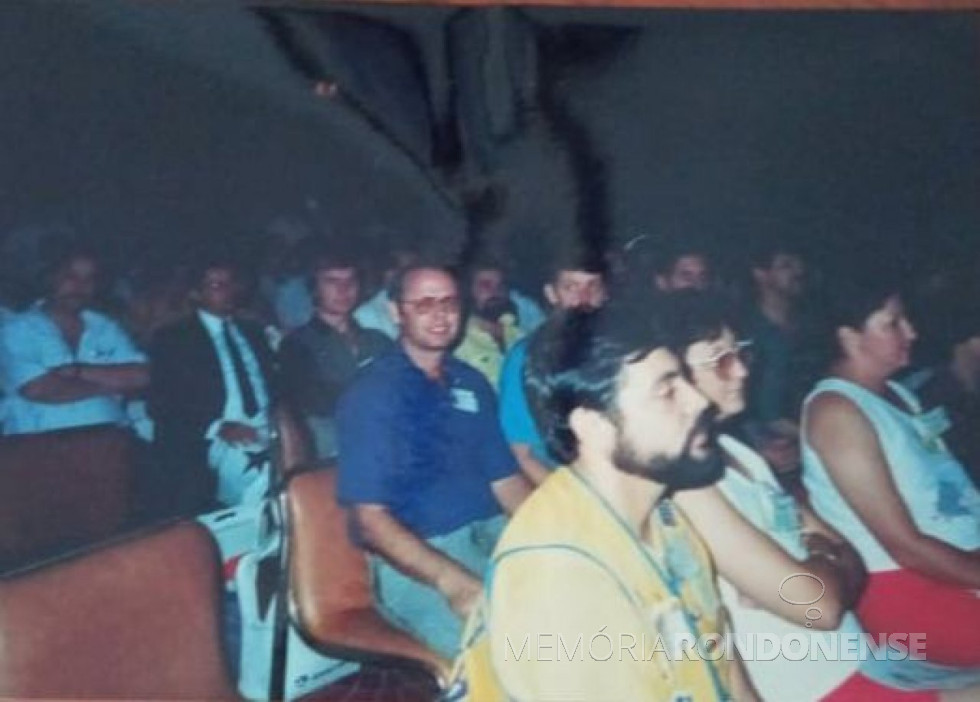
(570, 554)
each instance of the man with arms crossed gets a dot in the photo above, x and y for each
(63, 364)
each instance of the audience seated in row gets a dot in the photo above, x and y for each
(429, 462)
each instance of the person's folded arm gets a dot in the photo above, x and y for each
(128, 372)
(760, 569)
(116, 378)
(816, 531)
(59, 386)
(34, 374)
(847, 445)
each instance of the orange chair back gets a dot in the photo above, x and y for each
(134, 620)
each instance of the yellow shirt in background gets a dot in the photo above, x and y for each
(479, 349)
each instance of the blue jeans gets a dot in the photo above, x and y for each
(423, 611)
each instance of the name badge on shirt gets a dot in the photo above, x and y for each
(465, 400)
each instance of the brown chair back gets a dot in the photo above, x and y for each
(63, 489)
(330, 585)
(327, 572)
(134, 620)
(294, 445)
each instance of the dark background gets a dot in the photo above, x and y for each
(159, 124)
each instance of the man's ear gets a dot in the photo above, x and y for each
(592, 430)
(550, 295)
(662, 282)
(759, 275)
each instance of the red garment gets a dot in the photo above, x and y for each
(905, 602)
(859, 688)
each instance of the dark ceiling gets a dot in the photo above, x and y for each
(172, 121)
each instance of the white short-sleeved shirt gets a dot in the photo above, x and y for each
(31, 345)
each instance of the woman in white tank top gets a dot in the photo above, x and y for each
(876, 469)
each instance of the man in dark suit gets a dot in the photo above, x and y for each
(209, 398)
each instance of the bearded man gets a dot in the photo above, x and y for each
(492, 326)
(599, 575)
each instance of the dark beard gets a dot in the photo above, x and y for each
(494, 308)
(681, 473)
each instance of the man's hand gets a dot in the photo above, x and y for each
(406, 551)
(816, 542)
(844, 558)
(236, 433)
(461, 588)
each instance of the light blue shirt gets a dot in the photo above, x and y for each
(374, 314)
(515, 413)
(293, 303)
(31, 345)
(5, 314)
(530, 316)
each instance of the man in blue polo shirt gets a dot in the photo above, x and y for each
(424, 468)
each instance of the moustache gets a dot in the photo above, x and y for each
(705, 423)
(494, 308)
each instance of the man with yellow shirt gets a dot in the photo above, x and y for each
(599, 589)
(492, 326)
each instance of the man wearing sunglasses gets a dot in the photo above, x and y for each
(424, 469)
